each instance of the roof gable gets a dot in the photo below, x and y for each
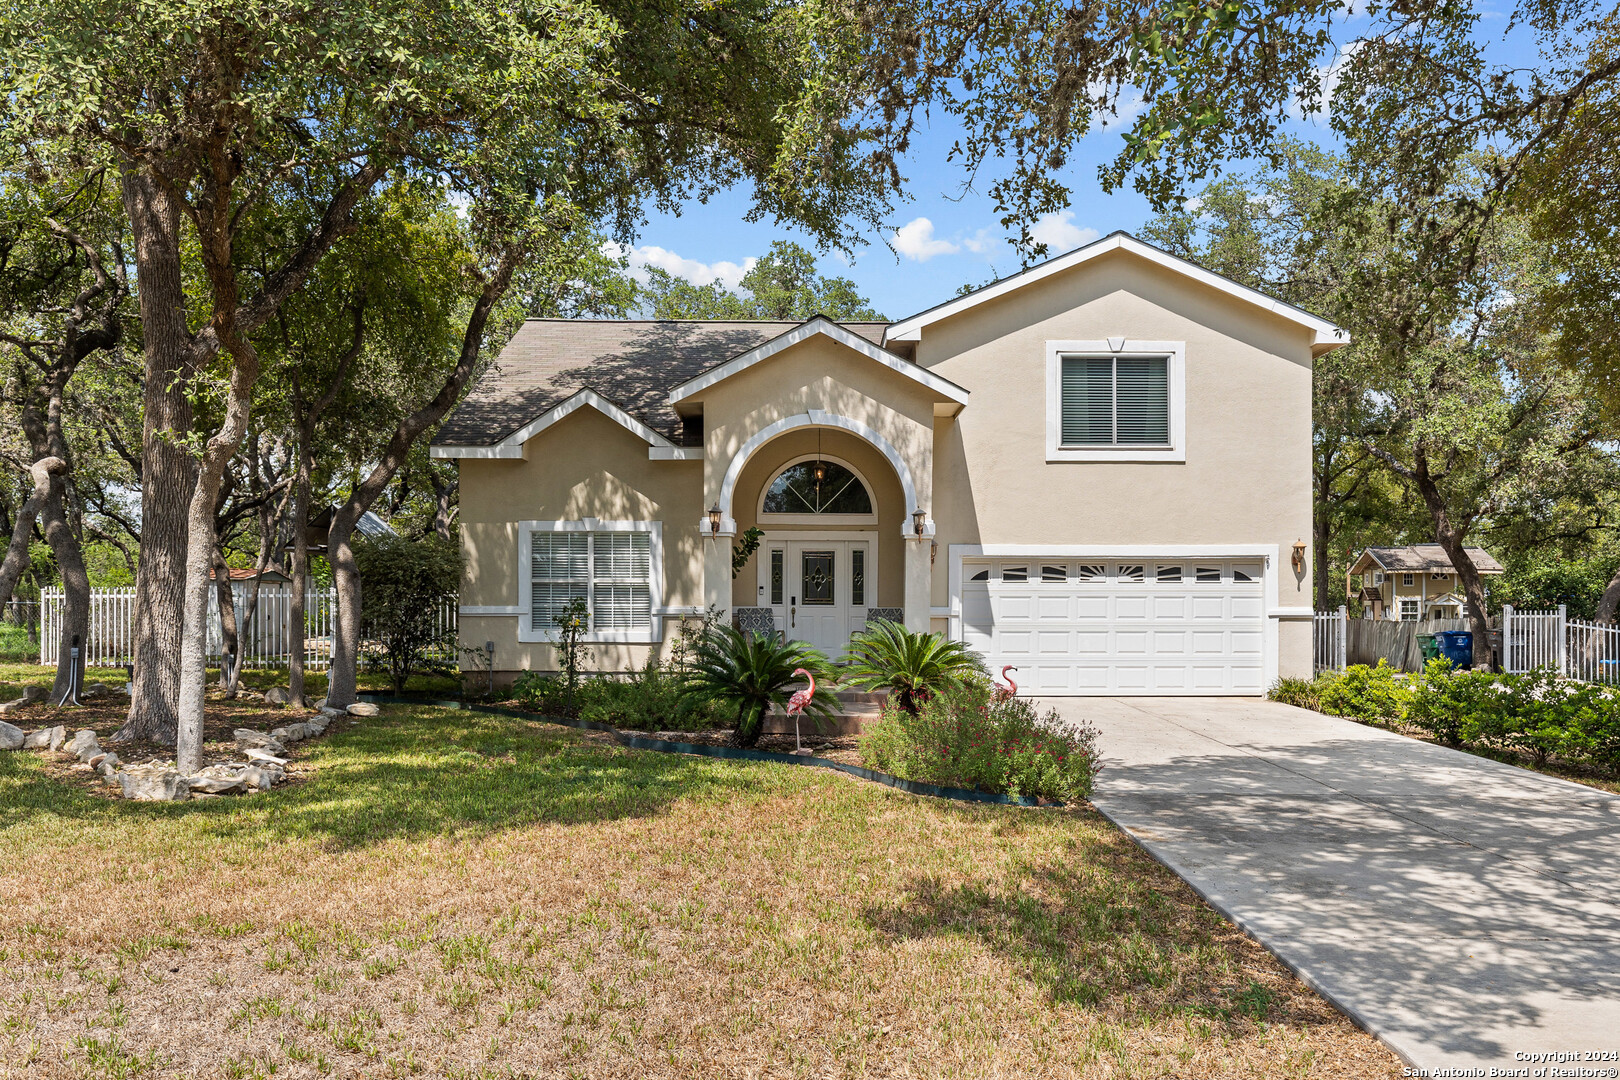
(515, 445)
(1325, 336)
(1421, 559)
(820, 326)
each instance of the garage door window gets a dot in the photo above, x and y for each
(1169, 573)
(1209, 574)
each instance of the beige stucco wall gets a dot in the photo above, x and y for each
(1246, 477)
(882, 482)
(585, 465)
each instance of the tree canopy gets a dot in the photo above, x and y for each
(783, 285)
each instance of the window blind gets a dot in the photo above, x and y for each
(1113, 401)
(610, 571)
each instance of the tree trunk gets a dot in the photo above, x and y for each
(1322, 534)
(75, 589)
(1450, 538)
(22, 532)
(230, 644)
(300, 578)
(342, 677)
(1610, 601)
(168, 475)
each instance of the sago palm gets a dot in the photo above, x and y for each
(750, 673)
(908, 664)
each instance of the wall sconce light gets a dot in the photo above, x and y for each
(918, 516)
(1299, 556)
(714, 520)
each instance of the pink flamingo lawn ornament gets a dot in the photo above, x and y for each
(1003, 693)
(796, 704)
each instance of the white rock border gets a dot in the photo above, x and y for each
(160, 781)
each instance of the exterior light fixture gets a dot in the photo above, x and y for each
(714, 520)
(1299, 556)
(918, 516)
(819, 470)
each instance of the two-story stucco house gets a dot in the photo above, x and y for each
(1097, 470)
(1413, 583)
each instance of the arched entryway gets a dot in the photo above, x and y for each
(831, 508)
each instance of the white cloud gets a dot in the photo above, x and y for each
(915, 240)
(981, 241)
(727, 273)
(1059, 232)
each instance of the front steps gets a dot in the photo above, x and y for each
(856, 708)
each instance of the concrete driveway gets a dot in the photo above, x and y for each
(1464, 911)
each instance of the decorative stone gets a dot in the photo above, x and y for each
(11, 736)
(58, 736)
(262, 777)
(276, 695)
(36, 740)
(145, 783)
(282, 734)
(95, 689)
(327, 710)
(265, 755)
(363, 708)
(217, 785)
(12, 706)
(85, 746)
(106, 767)
(96, 759)
(249, 739)
(32, 694)
(320, 705)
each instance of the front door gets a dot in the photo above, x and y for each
(819, 589)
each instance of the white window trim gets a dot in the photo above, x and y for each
(652, 632)
(1417, 610)
(1117, 347)
(816, 519)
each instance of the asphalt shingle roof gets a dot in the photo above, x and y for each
(1418, 557)
(633, 363)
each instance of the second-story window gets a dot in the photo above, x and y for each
(1116, 401)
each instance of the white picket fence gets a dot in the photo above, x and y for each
(1548, 638)
(1331, 639)
(266, 642)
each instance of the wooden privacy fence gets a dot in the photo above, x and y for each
(265, 642)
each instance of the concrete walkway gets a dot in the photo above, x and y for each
(1463, 911)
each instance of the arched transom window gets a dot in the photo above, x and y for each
(817, 487)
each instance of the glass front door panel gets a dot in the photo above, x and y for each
(817, 577)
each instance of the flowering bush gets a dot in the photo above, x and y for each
(963, 737)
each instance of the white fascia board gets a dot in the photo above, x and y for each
(825, 327)
(513, 445)
(1326, 336)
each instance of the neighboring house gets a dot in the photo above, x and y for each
(1413, 584)
(1097, 470)
(271, 576)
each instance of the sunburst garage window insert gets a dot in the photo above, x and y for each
(610, 571)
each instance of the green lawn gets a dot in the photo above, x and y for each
(445, 893)
(13, 676)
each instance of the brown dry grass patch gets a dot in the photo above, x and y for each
(470, 895)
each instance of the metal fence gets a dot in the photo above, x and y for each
(1532, 639)
(1331, 639)
(265, 641)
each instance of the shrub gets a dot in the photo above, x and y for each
(649, 700)
(403, 585)
(910, 665)
(962, 737)
(749, 673)
(1364, 693)
(541, 693)
(1454, 706)
(1304, 693)
(1543, 715)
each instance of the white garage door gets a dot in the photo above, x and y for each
(1113, 627)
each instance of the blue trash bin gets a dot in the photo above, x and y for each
(1457, 646)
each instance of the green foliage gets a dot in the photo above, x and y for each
(1302, 693)
(783, 286)
(404, 584)
(1546, 580)
(909, 665)
(961, 736)
(573, 622)
(1454, 706)
(15, 645)
(1534, 713)
(744, 548)
(750, 673)
(1375, 694)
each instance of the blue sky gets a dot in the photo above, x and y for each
(941, 237)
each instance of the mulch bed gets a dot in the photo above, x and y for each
(106, 715)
